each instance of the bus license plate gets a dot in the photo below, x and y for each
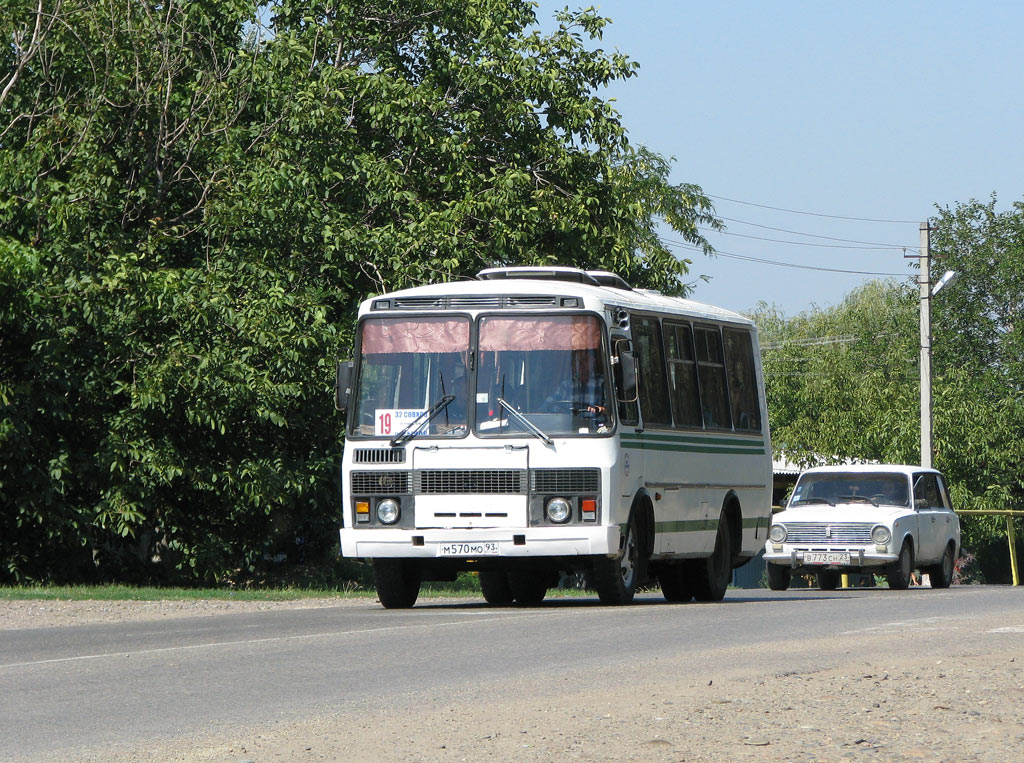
(826, 557)
(489, 548)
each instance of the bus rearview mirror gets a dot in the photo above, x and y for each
(343, 385)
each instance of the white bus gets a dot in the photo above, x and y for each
(540, 421)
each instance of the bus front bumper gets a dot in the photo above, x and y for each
(566, 540)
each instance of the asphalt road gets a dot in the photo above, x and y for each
(128, 685)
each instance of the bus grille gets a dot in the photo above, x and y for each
(828, 532)
(474, 481)
(380, 483)
(378, 456)
(566, 481)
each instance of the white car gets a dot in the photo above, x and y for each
(865, 518)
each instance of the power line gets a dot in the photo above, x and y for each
(875, 248)
(812, 235)
(730, 255)
(812, 214)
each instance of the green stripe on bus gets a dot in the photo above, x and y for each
(686, 526)
(693, 438)
(700, 525)
(669, 448)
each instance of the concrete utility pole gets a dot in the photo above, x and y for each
(924, 281)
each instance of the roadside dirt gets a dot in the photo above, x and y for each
(862, 700)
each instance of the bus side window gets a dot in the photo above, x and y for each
(714, 390)
(654, 404)
(739, 359)
(682, 376)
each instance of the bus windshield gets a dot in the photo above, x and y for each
(408, 366)
(547, 368)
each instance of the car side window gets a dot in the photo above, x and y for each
(945, 502)
(926, 487)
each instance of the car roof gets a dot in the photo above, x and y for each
(905, 469)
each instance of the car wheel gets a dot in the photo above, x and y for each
(675, 583)
(527, 588)
(616, 580)
(941, 574)
(828, 580)
(397, 582)
(495, 588)
(778, 577)
(715, 572)
(899, 574)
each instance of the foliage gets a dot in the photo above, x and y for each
(194, 197)
(979, 354)
(842, 381)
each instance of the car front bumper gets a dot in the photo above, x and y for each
(859, 557)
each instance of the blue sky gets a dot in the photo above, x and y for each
(878, 110)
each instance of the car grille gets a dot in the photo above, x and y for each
(474, 481)
(829, 532)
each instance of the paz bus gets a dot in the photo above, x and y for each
(541, 421)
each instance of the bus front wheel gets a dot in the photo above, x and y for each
(616, 579)
(397, 582)
(495, 588)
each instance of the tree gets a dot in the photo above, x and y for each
(842, 381)
(979, 357)
(194, 197)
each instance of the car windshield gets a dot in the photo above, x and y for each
(412, 370)
(541, 373)
(871, 488)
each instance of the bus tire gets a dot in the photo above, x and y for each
(778, 577)
(397, 582)
(714, 573)
(675, 583)
(495, 588)
(898, 575)
(527, 588)
(616, 580)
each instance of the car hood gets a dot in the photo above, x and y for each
(842, 512)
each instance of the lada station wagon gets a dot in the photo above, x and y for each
(876, 519)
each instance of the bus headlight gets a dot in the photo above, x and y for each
(880, 534)
(559, 510)
(777, 533)
(387, 511)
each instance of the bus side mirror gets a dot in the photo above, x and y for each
(627, 363)
(343, 385)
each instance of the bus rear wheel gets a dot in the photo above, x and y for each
(714, 573)
(397, 582)
(495, 588)
(675, 583)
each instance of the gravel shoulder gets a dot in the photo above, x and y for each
(864, 697)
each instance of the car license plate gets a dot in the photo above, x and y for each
(486, 548)
(826, 557)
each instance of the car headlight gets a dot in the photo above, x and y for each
(880, 534)
(387, 511)
(559, 510)
(777, 533)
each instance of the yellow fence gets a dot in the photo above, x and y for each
(1010, 535)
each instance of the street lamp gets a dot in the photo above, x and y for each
(926, 293)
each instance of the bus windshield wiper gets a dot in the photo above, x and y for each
(530, 426)
(424, 418)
